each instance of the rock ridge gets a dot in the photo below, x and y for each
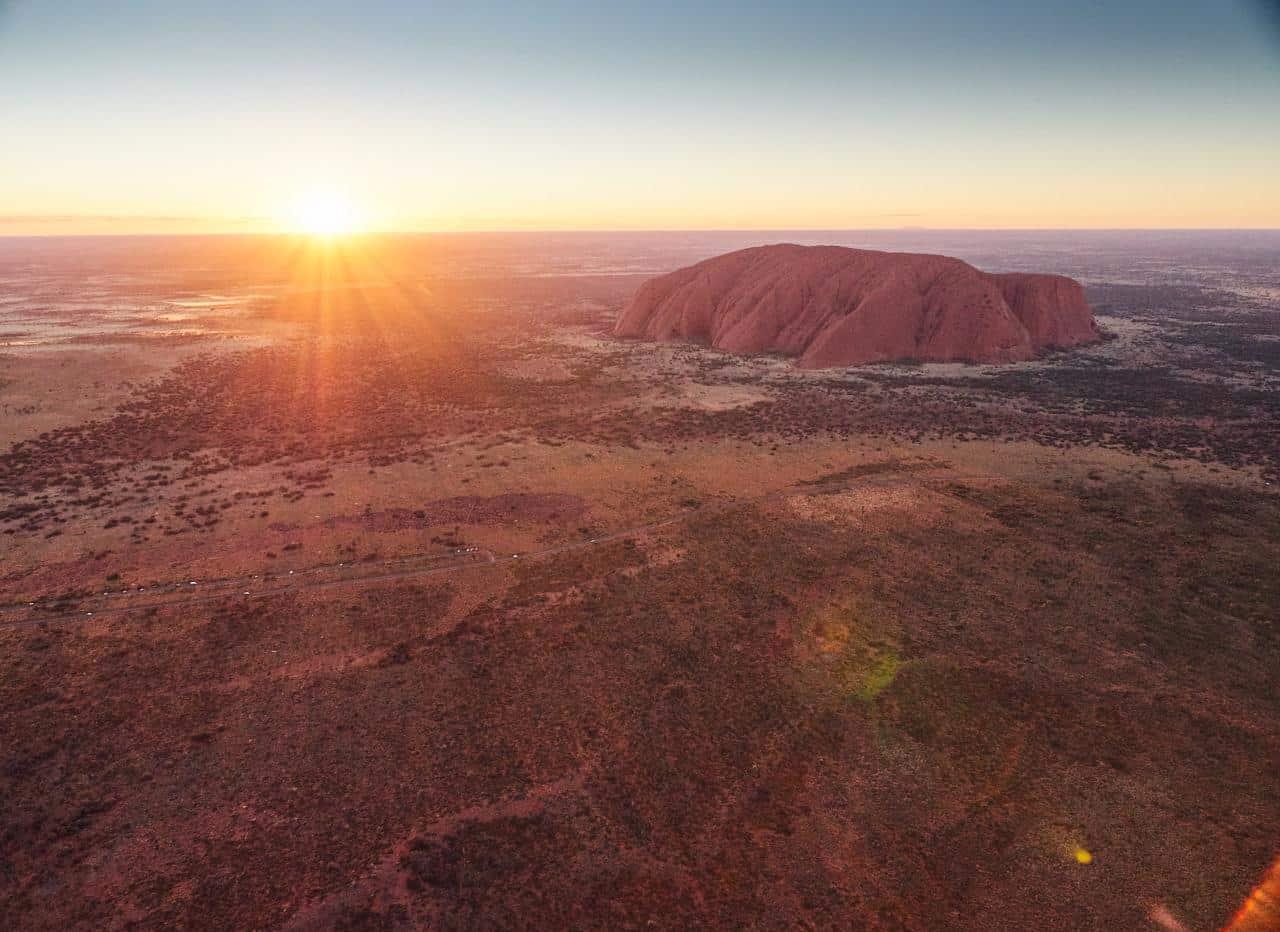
(836, 306)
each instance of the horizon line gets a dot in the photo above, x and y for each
(644, 230)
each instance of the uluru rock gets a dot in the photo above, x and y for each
(834, 306)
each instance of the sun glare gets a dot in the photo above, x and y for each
(324, 213)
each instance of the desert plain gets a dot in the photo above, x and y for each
(374, 584)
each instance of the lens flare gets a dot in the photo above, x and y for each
(1261, 911)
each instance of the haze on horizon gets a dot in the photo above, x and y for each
(216, 117)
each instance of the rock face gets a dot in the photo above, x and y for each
(833, 306)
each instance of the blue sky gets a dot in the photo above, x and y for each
(658, 115)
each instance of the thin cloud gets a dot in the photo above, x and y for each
(15, 219)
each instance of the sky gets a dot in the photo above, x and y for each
(230, 116)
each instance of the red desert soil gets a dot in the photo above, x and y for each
(420, 601)
(834, 306)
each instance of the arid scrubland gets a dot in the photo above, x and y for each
(372, 590)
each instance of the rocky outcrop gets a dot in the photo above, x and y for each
(833, 306)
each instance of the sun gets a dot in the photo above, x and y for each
(324, 213)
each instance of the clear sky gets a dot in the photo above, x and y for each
(163, 115)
